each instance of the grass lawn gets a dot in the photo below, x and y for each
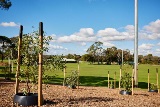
(97, 75)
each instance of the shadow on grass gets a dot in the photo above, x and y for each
(92, 81)
(143, 85)
(84, 81)
(7, 76)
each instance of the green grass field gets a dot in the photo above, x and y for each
(97, 75)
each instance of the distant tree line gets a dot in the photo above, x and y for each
(113, 55)
(95, 54)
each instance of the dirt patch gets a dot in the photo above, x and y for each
(59, 96)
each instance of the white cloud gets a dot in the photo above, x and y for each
(108, 35)
(146, 46)
(56, 47)
(158, 44)
(129, 28)
(83, 44)
(151, 31)
(54, 38)
(145, 52)
(111, 34)
(108, 32)
(107, 44)
(84, 35)
(153, 27)
(158, 50)
(10, 24)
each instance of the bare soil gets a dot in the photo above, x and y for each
(60, 96)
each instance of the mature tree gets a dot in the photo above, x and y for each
(87, 57)
(70, 56)
(5, 43)
(95, 50)
(5, 4)
(14, 41)
(77, 57)
(111, 54)
(126, 55)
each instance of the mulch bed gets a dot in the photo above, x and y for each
(59, 96)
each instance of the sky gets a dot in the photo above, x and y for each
(76, 24)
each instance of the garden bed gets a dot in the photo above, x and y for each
(59, 96)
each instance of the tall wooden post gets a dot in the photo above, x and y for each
(120, 74)
(115, 80)
(78, 75)
(157, 79)
(64, 70)
(108, 79)
(148, 79)
(132, 79)
(40, 99)
(19, 59)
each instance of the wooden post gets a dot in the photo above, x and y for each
(78, 76)
(115, 79)
(133, 73)
(148, 79)
(64, 70)
(157, 79)
(19, 59)
(40, 99)
(120, 74)
(132, 84)
(108, 79)
(132, 80)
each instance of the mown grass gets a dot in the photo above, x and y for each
(97, 75)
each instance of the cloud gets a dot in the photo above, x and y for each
(158, 50)
(84, 35)
(10, 24)
(56, 47)
(158, 44)
(153, 27)
(146, 46)
(112, 34)
(108, 35)
(83, 44)
(54, 37)
(107, 44)
(146, 49)
(151, 31)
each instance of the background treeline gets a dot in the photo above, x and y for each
(95, 53)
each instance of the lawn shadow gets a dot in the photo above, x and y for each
(53, 80)
(91, 81)
(94, 81)
(143, 85)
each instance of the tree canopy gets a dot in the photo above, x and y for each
(5, 4)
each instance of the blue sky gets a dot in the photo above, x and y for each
(76, 24)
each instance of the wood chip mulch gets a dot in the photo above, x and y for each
(59, 96)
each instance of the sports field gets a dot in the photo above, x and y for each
(97, 75)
